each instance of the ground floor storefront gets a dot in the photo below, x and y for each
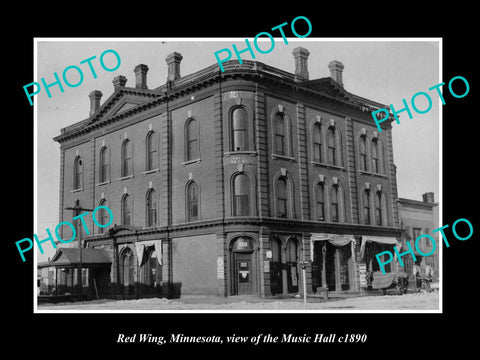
(230, 259)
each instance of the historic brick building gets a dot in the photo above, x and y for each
(224, 182)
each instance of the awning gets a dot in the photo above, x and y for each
(65, 257)
(378, 239)
(140, 248)
(334, 239)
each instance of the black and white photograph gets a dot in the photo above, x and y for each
(266, 186)
(296, 181)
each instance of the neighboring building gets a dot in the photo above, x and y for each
(416, 218)
(223, 183)
(45, 279)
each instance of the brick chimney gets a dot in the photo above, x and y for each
(336, 71)
(428, 198)
(300, 55)
(141, 76)
(119, 81)
(173, 62)
(95, 97)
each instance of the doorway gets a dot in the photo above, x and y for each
(243, 267)
(276, 267)
(292, 265)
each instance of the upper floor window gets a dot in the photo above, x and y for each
(104, 216)
(320, 202)
(317, 143)
(191, 140)
(334, 204)
(280, 133)
(240, 139)
(282, 198)
(103, 165)
(374, 151)
(192, 201)
(127, 159)
(126, 208)
(363, 153)
(366, 207)
(331, 148)
(378, 208)
(151, 208)
(241, 188)
(151, 151)
(77, 173)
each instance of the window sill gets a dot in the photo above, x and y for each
(126, 177)
(316, 163)
(252, 153)
(104, 183)
(363, 172)
(76, 190)
(283, 157)
(146, 172)
(185, 163)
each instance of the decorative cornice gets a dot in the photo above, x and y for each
(249, 70)
(274, 224)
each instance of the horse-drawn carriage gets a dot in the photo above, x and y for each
(392, 280)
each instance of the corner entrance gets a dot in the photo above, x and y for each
(244, 280)
(243, 266)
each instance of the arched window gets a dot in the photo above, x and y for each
(292, 251)
(77, 173)
(151, 151)
(317, 143)
(378, 208)
(374, 156)
(320, 202)
(104, 216)
(192, 201)
(282, 198)
(280, 134)
(331, 148)
(366, 207)
(363, 153)
(103, 165)
(241, 188)
(151, 208)
(127, 168)
(192, 145)
(240, 139)
(151, 269)
(276, 249)
(334, 204)
(127, 268)
(126, 210)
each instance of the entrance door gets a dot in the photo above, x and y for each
(243, 272)
(292, 276)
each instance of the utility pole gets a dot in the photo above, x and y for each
(76, 212)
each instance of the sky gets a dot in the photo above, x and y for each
(382, 70)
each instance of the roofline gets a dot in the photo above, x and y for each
(209, 74)
(416, 202)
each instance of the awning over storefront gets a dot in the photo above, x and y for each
(334, 239)
(387, 240)
(140, 248)
(69, 257)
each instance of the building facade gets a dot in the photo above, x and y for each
(416, 218)
(227, 182)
